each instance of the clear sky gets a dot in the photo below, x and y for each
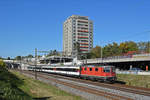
(29, 24)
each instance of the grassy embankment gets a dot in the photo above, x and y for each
(37, 89)
(9, 84)
(15, 86)
(135, 80)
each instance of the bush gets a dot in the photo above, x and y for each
(2, 64)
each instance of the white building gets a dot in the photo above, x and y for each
(77, 29)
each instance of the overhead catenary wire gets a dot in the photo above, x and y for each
(122, 39)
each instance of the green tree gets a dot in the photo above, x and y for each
(95, 52)
(53, 52)
(132, 46)
(8, 58)
(50, 53)
(2, 64)
(115, 50)
(30, 56)
(18, 58)
(141, 46)
(144, 47)
(123, 47)
(128, 46)
(77, 49)
(148, 47)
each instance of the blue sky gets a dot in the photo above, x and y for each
(29, 24)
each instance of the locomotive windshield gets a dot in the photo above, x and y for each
(107, 69)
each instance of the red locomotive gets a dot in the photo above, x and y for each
(104, 73)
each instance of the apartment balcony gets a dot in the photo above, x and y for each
(84, 43)
(82, 21)
(83, 31)
(84, 49)
(86, 37)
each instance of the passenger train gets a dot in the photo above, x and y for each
(93, 72)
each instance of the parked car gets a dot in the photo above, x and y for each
(136, 70)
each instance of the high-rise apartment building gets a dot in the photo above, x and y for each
(77, 29)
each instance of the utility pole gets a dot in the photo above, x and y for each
(148, 47)
(35, 63)
(20, 62)
(101, 54)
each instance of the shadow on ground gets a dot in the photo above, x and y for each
(42, 98)
(120, 82)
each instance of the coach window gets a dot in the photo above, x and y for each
(90, 69)
(85, 69)
(96, 69)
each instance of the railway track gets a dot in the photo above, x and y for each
(126, 88)
(58, 79)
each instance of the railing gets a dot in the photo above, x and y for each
(121, 57)
(133, 72)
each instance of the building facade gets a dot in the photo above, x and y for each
(77, 29)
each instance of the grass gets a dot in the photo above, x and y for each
(38, 89)
(135, 80)
(9, 84)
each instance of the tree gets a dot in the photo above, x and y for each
(148, 47)
(141, 46)
(8, 58)
(30, 56)
(50, 53)
(115, 49)
(144, 47)
(2, 64)
(123, 47)
(18, 58)
(132, 46)
(77, 49)
(95, 52)
(128, 46)
(53, 52)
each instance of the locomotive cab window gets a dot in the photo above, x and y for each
(85, 69)
(107, 69)
(96, 69)
(90, 69)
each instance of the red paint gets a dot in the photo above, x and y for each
(146, 68)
